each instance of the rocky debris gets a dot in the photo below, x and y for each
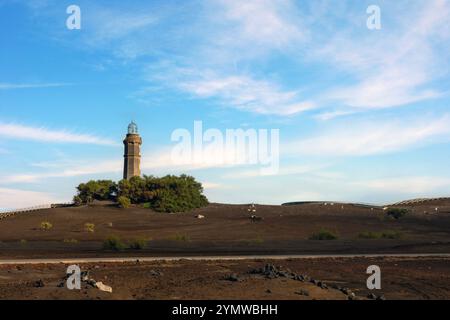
(256, 218)
(271, 272)
(233, 277)
(302, 292)
(39, 284)
(156, 273)
(84, 276)
(349, 293)
(268, 291)
(103, 287)
(301, 277)
(322, 285)
(86, 279)
(373, 296)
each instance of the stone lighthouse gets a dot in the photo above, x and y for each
(132, 156)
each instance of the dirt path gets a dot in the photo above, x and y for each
(215, 258)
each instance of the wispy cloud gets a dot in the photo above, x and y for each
(272, 24)
(422, 185)
(13, 86)
(368, 137)
(395, 66)
(247, 94)
(43, 134)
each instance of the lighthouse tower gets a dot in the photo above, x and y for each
(132, 156)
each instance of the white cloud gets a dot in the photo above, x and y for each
(14, 198)
(367, 138)
(107, 166)
(273, 24)
(18, 131)
(112, 24)
(285, 170)
(211, 185)
(328, 115)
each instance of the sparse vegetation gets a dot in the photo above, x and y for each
(123, 202)
(138, 244)
(181, 237)
(45, 225)
(323, 234)
(397, 213)
(89, 227)
(392, 235)
(256, 241)
(113, 243)
(380, 235)
(369, 235)
(71, 241)
(23, 242)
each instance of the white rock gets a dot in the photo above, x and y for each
(103, 287)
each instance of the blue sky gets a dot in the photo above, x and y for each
(364, 115)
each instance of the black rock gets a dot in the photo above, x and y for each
(372, 296)
(39, 284)
(232, 277)
(156, 273)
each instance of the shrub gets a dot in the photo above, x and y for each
(123, 202)
(45, 225)
(181, 237)
(77, 201)
(392, 235)
(71, 241)
(113, 243)
(89, 227)
(323, 234)
(369, 235)
(397, 213)
(380, 235)
(147, 205)
(138, 244)
(255, 241)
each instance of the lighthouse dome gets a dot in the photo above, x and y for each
(132, 128)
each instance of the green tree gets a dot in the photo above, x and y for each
(96, 190)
